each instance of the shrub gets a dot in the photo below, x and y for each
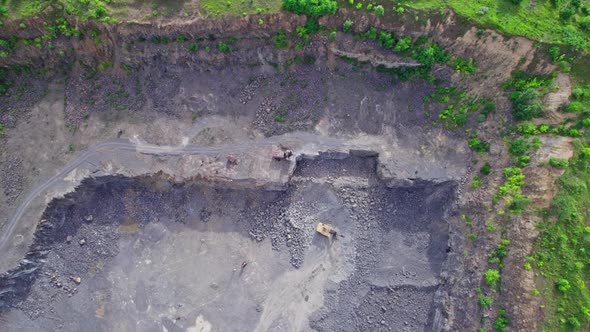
(574, 107)
(482, 10)
(578, 93)
(558, 163)
(492, 276)
(491, 226)
(518, 147)
(571, 36)
(379, 10)
(464, 66)
(574, 322)
(566, 13)
(431, 55)
(519, 203)
(478, 145)
(311, 7)
(224, 47)
(485, 301)
(501, 321)
(475, 183)
(347, 26)
(386, 39)
(371, 33)
(193, 47)
(281, 39)
(563, 285)
(332, 36)
(526, 106)
(403, 44)
(554, 53)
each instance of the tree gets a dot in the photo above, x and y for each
(311, 7)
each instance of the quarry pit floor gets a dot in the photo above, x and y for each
(148, 254)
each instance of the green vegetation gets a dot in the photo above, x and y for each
(501, 321)
(311, 7)
(526, 91)
(281, 39)
(239, 7)
(486, 169)
(492, 276)
(193, 47)
(226, 46)
(558, 163)
(485, 301)
(552, 21)
(563, 248)
(518, 147)
(347, 26)
(478, 145)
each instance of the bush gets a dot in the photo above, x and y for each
(281, 39)
(571, 36)
(371, 33)
(347, 26)
(501, 321)
(566, 13)
(478, 145)
(403, 44)
(332, 36)
(554, 53)
(578, 93)
(386, 39)
(3, 11)
(311, 7)
(224, 47)
(193, 47)
(485, 301)
(563, 285)
(431, 55)
(518, 147)
(525, 104)
(558, 163)
(492, 276)
(519, 203)
(574, 107)
(486, 169)
(379, 10)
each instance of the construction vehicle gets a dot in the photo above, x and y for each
(326, 230)
(281, 154)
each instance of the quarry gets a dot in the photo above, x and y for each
(172, 171)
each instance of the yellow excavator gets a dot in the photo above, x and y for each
(326, 230)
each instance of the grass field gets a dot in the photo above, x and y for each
(240, 7)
